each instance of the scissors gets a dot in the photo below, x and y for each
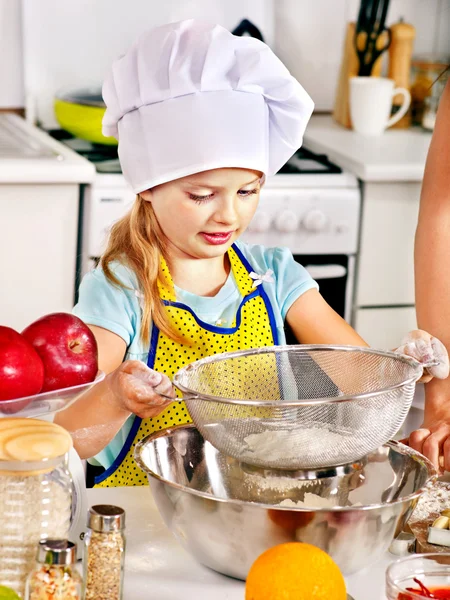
(370, 38)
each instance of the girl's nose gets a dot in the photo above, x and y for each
(226, 212)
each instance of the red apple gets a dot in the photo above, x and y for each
(21, 369)
(67, 348)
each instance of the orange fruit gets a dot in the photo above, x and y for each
(295, 571)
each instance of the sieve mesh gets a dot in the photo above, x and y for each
(299, 407)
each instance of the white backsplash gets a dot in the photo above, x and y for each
(11, 63)
(309, 37)
(71, 43)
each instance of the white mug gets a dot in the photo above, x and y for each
(371, 104)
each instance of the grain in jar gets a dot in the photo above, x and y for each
(35, 493)
(104, 553)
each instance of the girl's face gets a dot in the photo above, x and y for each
(203, 214)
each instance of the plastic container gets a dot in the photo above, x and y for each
(35, 494)
(104, 553)
(54, 576)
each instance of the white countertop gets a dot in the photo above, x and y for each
(396, 155)
(157, 567)
(29, 155)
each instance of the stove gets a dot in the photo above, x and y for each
(105, 158)
(310, 206)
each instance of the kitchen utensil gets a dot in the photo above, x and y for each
(349, 68)
(246, 27)
(299, 407)
(194, 487)
(400, 55)
(432, 570)
(369, 41)
(47, 402)
(80, 112)
(371, 104)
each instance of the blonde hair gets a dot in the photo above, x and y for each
(137, 241)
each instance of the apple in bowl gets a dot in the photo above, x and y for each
(67, 348)
(21, 368)
(48, 365)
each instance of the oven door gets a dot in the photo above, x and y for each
(335, 275)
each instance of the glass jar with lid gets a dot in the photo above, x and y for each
(55, 574)
(104, 553)
(35, 493)
(428, 78)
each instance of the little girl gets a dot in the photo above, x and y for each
(202, 117)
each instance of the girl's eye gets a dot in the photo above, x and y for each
(200, 199)
(248, 192)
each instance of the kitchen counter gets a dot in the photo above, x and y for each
(397, 155)
(29, 155)
(158, 567)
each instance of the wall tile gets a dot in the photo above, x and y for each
(309, 37)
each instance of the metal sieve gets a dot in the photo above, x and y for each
(299, 407)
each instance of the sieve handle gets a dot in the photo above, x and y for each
(432, 363)
(177, 399)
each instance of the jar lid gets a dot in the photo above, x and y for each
(28, 444)
(105, 517)
(57, 552)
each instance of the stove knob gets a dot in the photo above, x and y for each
(287, 222)
(342, 227)
(260, 223)
(315, 220)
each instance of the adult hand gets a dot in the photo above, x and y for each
(433, 442)
(137, 389)
(426, 349)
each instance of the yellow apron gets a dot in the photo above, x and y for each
(253, 327)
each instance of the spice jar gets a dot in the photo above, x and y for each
(55, 576)
(35, 494)
(104, 553)
(428, 79)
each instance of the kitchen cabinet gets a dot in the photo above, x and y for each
(386, 253)
(38, 251)
(390, 169)
(39, 204)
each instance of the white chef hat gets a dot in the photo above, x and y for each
(190, 96)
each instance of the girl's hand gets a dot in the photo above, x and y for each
(425, 348)
(136, 389)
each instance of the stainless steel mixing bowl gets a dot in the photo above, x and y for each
(226, 513)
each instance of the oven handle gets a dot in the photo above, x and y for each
(326, 271)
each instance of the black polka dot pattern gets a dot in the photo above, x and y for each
(254, 332)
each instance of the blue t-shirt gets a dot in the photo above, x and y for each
(118, 309)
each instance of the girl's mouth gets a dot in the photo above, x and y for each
(216, 238)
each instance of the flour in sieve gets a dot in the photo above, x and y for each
(283, 445)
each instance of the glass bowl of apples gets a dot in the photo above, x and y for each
(419, 576)
(47, 366)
